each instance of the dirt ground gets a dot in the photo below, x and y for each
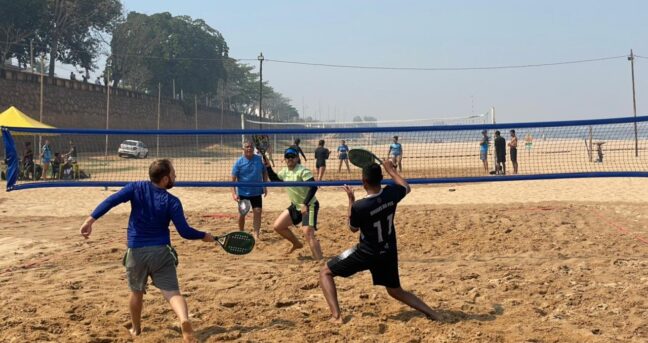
(545, 261)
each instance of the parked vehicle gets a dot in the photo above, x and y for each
(130, 148)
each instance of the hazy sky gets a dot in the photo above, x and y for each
(434, 34)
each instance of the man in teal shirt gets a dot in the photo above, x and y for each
(250, 168)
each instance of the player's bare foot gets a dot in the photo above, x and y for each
(338, 320)
(134, 332)
(294, 247)
(187, 333)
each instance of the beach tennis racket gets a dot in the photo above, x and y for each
(244, 206)
(262, 144)
(237, 243)
(362, 158)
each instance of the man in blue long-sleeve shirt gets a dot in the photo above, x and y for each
(149, 244)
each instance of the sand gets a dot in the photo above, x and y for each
(533, 261)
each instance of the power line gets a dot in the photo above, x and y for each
(328, 65)
(448, 68)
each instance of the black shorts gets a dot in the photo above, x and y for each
(311, 216)
(255, 200)
(383, 268)
(501, 158)
(513, 155)
(320, 164)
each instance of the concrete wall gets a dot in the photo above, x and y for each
(74, 104)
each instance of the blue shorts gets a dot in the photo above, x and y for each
(46, 160)
(483, 155)
(344, 156)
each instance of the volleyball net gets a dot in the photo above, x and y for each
(428, 154)
(487, 117)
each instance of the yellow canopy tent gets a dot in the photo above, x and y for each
(15, 118)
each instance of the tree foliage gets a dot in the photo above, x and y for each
(67, 34)
(161, 48)
(242, 91)
(18, 24)
(146, 51)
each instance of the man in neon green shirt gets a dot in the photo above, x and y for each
(304, 206)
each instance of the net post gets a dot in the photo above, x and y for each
(590, 144)
(242, 128)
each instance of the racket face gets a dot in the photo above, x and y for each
(361, 158)
(238, 243)
(244, 206)
(262, 142)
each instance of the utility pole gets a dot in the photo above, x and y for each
(157, 146)
(196, 115)
(472, 104)
(107, 105)
(261, 58)
(42, 81)
(634, 102)
(31, 55)
(40, 110)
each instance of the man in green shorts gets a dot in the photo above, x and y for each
(304, 206)
(149, 244)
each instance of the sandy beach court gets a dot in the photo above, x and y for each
(532, 261)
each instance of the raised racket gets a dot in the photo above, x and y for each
(362, 158)
(262, 144)
(237, 243)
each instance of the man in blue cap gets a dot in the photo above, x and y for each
(304, 206)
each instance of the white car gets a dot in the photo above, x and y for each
(129, 148)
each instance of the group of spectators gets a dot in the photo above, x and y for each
(500, 152)
(52, 165)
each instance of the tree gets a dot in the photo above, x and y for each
(68, 30)
(147, 50)
(19, 21)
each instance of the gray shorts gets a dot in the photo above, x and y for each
(159, 262)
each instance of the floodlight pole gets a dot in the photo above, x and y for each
(634, 102)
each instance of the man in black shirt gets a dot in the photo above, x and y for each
(299, 149)
(373, 216)
(500, 154)
(321, 155)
